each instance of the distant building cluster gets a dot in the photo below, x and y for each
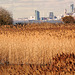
(72, 11)
(51, 16)
(38, 18)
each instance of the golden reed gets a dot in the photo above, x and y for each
(35, 43)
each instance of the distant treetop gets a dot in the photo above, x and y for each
(5, 17)
(68, 19)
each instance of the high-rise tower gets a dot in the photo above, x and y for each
(51, 15)
(72, 7)
(37, 15)
(74, 10)
(65, 12)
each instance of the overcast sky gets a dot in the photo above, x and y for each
(26, 8)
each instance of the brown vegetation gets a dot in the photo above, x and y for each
(62, 64)
(68, 19)
(36, 44)
(5, 17)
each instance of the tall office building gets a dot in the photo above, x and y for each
(51, 15)
(65, 12)
(72, 7)
(74, 10)
(37, 15)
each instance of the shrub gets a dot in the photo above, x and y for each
(5, 17)
(68, 19)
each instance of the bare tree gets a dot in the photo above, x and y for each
(5, 17)
(68, 19)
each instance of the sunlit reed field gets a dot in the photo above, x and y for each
(62, 64)
(35, 43)
(37, 49)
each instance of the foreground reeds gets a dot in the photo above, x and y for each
(62, 64)
(35, 43)
(37, 49)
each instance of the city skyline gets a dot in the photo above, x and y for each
(26, 8)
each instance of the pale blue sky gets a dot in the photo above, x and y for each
(26, 8)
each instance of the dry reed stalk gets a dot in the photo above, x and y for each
(35, 44)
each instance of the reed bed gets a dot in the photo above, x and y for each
(37, 49)
(35, 43)
(63, 64)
